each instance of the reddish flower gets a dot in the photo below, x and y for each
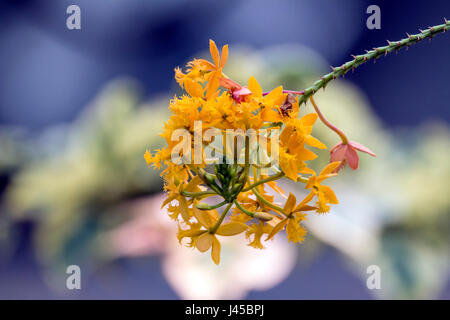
(346, 153)
(240, 94)
(237, 91)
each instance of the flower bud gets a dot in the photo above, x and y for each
(232, 170)
(203, 206)
(221, 177)
(263, 216)
(210, 178)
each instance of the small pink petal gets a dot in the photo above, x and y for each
(335, 146)
(240, 93)
(352, 158)
(362, 148)
(337, 153)
(244, 91)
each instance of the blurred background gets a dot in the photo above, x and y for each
(78, 109)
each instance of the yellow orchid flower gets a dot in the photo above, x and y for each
(325, 194)
(269, 103)
(175, 192)
(256, 231)
(295, 232)
(205, 239)
(200, 70)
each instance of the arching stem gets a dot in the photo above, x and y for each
(327, 123)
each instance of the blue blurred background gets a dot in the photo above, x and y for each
(52, 75)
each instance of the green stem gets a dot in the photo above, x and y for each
(270, 164)
(266, 202)
(249, 213)
(210, 183)
(222, 216)
(247, 155)
(234, 174)
(204, 206)
(197, 194)
(272, 125)
(372, 55)
(265, 180)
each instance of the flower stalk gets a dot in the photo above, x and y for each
(373, 54)
(220, 220)
(340, 133)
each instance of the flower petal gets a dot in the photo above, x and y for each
(290, 203)
(275, 97)
(189, 234)
(329, 194)
(184, 209)
(168, 200)
(213, 85)
(148, 157)
(308, 119)
(305, 154)
(362, 148)
(277, 229)
(307, 199)
(330, 168)
(307, 170)
(203, 217)
(254, 87)
(352, 158)
(224, 57)
(214, 52)
(231, 229)
(295, 232)
(193, 183)
(204, 242)
(314, 142)
(337, 153)
(289, 167)
(193, 88)
(270, 115)
(302, 207)
(215, 251)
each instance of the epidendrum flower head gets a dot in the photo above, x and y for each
(235, 193)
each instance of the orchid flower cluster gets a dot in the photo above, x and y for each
(239, 176)
(258, 138)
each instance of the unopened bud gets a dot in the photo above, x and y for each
(220, 176)
(202, 206)
(236, 187)
(262, 216)
(210, 178)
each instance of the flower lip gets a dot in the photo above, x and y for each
(240, 94)
(237, 91)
